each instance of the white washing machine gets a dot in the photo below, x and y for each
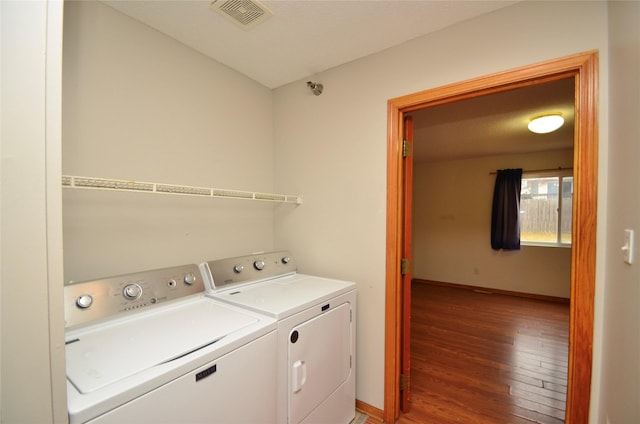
(149, 347)
(316, 331)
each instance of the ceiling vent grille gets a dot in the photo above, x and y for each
(244, 13)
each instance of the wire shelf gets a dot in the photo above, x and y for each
(92, 183)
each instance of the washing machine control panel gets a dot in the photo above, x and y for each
(93, 300)
(225, 273)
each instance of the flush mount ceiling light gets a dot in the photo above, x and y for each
(546, 123)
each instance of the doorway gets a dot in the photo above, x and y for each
(582, 67)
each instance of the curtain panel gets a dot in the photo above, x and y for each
(505, 214)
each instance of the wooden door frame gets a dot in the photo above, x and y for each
(584, 68)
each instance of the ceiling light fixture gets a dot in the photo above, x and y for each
(546, 123)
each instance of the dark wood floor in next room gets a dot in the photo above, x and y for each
(486, 358)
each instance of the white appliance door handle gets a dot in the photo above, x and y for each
(299, 375)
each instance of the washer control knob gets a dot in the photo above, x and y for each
(84, 301)
(286, 260)
(238, 269)
(190, 278)
(132, 291)
(259, 265)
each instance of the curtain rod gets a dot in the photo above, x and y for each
(539, 170)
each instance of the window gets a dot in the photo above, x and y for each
(546, 209)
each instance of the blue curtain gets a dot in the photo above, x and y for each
(505, 215)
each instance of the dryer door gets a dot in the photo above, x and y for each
(319, 360)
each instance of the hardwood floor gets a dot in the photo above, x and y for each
(486, 358)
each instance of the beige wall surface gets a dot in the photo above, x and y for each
(452, 226)
(32, 377)
(332, 148)
(620, 392)
(138, 105)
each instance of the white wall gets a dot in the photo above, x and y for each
(32, 317)
(620, 392)
(452, 227)
(332, 148)
(140, 105)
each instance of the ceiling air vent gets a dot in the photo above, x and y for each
(244, 13)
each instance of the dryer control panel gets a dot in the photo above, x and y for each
(90, 301)
(225, 273)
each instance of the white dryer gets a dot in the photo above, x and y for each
(316, 331)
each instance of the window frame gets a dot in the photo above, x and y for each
(559, 173)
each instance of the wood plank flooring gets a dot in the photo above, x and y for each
(486, 358)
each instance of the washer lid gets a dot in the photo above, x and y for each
(101, 355)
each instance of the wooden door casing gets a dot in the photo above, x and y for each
(584, 68)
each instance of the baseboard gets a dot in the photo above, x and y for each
(371, 411)
(492, 290)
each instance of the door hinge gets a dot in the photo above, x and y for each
(406, 148)
(404, 266)
(404, 382)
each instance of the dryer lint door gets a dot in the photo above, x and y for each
(319, 360)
